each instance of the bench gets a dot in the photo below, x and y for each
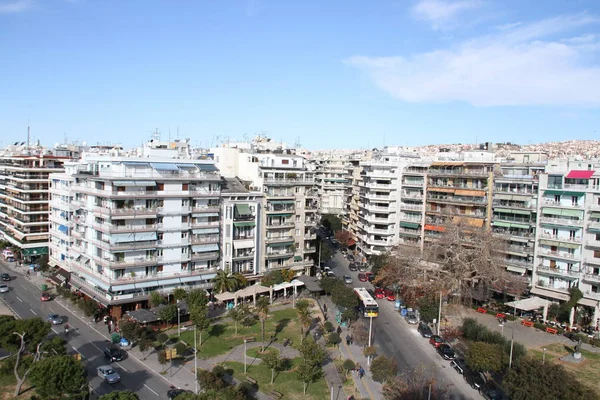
(482, 310)
(528, 324)
(552, 331)
(250, 339)
(501, 315)
(252, 381)
(276, 395)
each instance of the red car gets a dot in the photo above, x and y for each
(380, 293)
(46, 297)
(362, 277)
(390, 296)
(436, 341)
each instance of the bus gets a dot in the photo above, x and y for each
(367, 304)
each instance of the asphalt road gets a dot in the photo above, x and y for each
(394, 336)
(24, 299)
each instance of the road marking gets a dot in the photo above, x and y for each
(18, 298)
(123, 368)
(150, 389)
(52, 311)
(34, 313)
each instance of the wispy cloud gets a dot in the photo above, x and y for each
(441, 13)
(15, 6)
(519, 66)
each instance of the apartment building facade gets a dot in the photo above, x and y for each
(138, 226)
(24, 201)
(331, 180)
(412, 205)
(350, 216)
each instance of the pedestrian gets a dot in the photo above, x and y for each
(361, 372)
(324, 307)
(347, 340)
(109, 328)
(351, 339)
(339, 330)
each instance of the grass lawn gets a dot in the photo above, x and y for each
(220, 338)
(587, 372)
(286, 382)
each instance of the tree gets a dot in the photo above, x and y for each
(273, 361)
(240, 281)
(199, 317)
(323, 252)
(224, 282)
(180, 347)
(328, 326)
(532, 379)
(197, 298)
(370, 351)
(262, 308)
(288, 275)
(343, 237)
(272, 278)
(329, 285)
(304, 316)
(145, 343)
(333, 339)
(162, 338)
(348, 365)
(210, 381)
(429, 308)
(414, 384)
(156, 299)
(344, 297)
(308, 373)
(120, 395)
(360, 333)
(237, 315)
(59, 377)
(383, 369)
(484, 357)
(168, 313)
(129, 329)
(162, 358)
(331, 222)
(179, 294)
(378, 261)
(311, 352)
(57, 346)
(21, 336)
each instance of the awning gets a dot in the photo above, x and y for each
(504, 210)
(552, 211)
(201, 248)
(243, 244)
(554, 191)
(529, 304)
(242, 209)
(136, 163)
(519, 226)
(595, 215)
(434, 228)
(518, 270)
(281, 215)
(132, 237)
(569, 245)
(521, 212)
(548, 242)
(473, 193)
(502, 223)
(225, 296)
(146, 284)
(145, 183)
(34, 251)
(589, 302)
(63, 229)
(573, 213)
(186, 166)
(208, 214)
(580, 174)
(205, 231)
(443, 190)
(171, 281)
(501, 196)
(549, 293)
(351, 242)
(297, 258)
(207, 167)
(413, 225)
(122, 288)
(123, 183)
(243, 223)
(164, 166)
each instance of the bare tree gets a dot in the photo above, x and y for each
(416, 384)
(36, 357)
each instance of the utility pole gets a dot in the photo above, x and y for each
(439, 315)
(195, 361)
(370, 335)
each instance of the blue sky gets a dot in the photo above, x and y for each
(328, 74)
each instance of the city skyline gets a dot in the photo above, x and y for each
(402, 73)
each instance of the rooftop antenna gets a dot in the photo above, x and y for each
(169, 133)
(28, 134)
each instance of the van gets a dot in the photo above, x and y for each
(7, 253)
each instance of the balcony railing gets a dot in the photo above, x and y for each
(561, 221)
(553, 203)
(559, 254)
(557, 271)
(574, 239)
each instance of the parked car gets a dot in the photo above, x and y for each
(350, 257)
(492, 392)
(424, 330)
(362, 277)
(459, 365)
(173, 393)
(370, 276)
(363, 267)
(330, 274)
(46, 297)
(5, 277)
(436, 341)
(390, 295)
(446, 351)
(411, 318)
(347, 279)
(108, 374)
(55, 319)
(352, 267)
(379, 293)
(474, 379)
(11, 259)
(113, 353)
(4, 289)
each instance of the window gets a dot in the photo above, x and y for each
(228, 212)
(185, 219)
(159, 268)
(596, 253)
(574, 200)
(285, 162)
(185, 203)
(598, 236)
(227, 230)
(227, 248)
(184, 235)
(554, 231)
(184, 250)
(159, 252)
(184, 266)
(160, 235)
(571, 235)
(557, 198)
(160, 186)
(185, 186)
(595, 289)
(297, 232)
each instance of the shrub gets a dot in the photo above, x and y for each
(219, 371)
(333, 338)
(328, 326)
(539, 325)
(180, 348)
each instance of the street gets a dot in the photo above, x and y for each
(394, 336)
(84, 338)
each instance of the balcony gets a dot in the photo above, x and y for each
(194, 224)
(550, 286)
(378, 220)
(457, 172)
(457, 199)
(519, 263)
(279, 253)
(280, 224)
(205, 239)
(277, 194)
(289, 181)
(413, 183)
(592, 278)
(209, 255)
(279, 239)
(133, 262)
(414, 207)
(593, 225)
(412, 195)
(593, 261)
(240, 255)
(551, 202)
(592, 295)
(410, 232)
(558, 238)
(373, 208)
(109, 228)
(309, 250)
(561, 221)
(126, 211)
(558, 254)
(510, 190)
(282, 210)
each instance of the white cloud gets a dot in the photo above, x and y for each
(516, 67)
(441, 12)
(15, 6)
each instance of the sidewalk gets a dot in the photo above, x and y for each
(367, 387)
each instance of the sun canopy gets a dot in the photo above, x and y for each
(251, 290)
(225, 296)
(580, 174)
(530, 304)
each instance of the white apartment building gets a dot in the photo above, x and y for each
(289, 202)
(242, 244)
(137, 225)
(331, 179)
(24, 200)
(412, 204)
(567, 252)
(352, 198)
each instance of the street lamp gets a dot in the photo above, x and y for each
(370, 335)
(245, 355)
(178, 321)
(512, 344)
(195, 361)
(544, 356)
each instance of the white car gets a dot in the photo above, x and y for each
(4, 289)
(347, 279)
(109, 374)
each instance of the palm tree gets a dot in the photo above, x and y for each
(262, 307)
(224, 282)
(241, 281)
(304, 316)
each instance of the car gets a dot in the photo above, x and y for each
(424, 330)
(370, 276)
(379, 293)
(411, 318)
(11, 259)
(492, 392)
(436, 341)
(351, 257)
(363, 267)
(108, 374)
(173, 393)
(352, 267)
(446, 351)
(4, 289)
(347, 279)
(474, 379)
(5, 277)
(390, 295)
(55, 319)
(459, 365)
(46, 297)
(362, 277)
(113, 353)
(330, 274)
